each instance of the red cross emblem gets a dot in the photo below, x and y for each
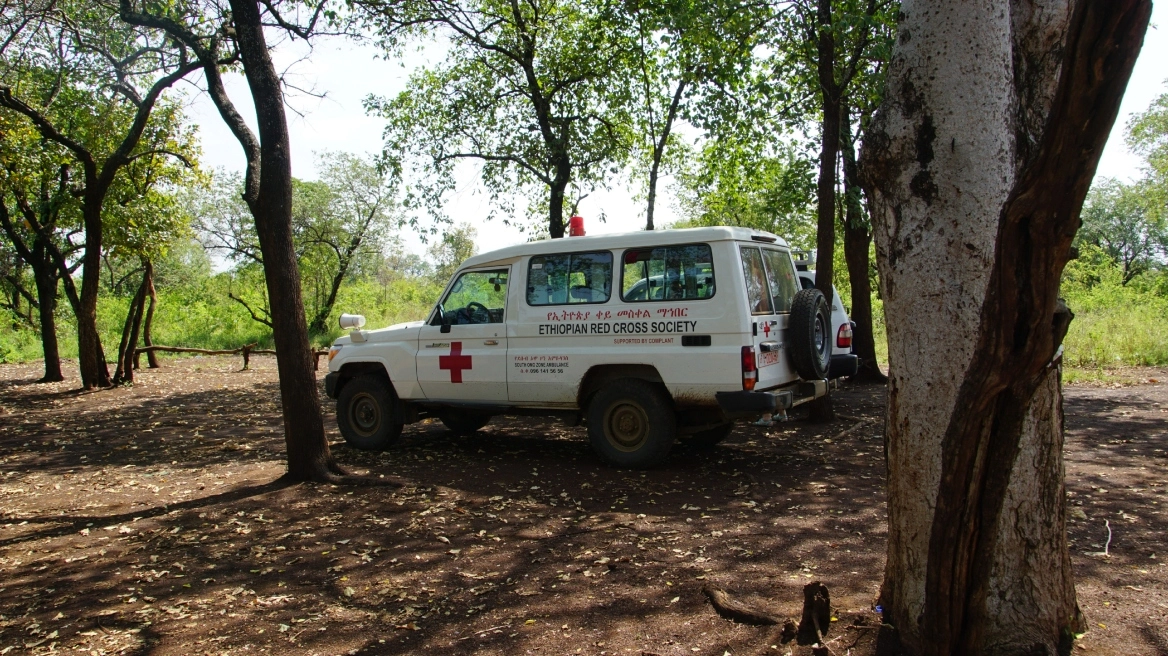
(456, 362)
(766, 328)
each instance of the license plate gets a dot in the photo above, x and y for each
(767, 358)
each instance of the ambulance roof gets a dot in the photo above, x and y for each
(625, 240)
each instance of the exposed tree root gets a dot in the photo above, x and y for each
(738, 611)
(334, 474)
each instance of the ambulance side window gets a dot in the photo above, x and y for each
(781, 276)
(757, 294)
(569, 278)
(668, 273)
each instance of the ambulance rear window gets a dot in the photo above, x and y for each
(569, 278)
(668, 273)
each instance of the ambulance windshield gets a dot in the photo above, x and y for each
(476, 297)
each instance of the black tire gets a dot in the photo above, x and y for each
(809, 335)
(367, 414)
(631, 423)
(463, 422)
(709, 438)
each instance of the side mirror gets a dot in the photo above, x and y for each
(352, 321)
(444, 318)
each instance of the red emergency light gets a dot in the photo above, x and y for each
(576, 226)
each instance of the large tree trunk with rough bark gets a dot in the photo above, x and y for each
(308, 452)
(978, 163)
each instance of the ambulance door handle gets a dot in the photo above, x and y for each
(491, 342)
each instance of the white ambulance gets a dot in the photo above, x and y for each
(645, 338)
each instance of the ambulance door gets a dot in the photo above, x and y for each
(562, 326)
(462, 350)
(770, 287)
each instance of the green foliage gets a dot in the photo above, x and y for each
(1148, 136)
(1127, 223)
(1116, 322)
(456, 246)
(733, 183)
(533, 92)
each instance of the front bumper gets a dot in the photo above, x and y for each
(738, 405)
(845, 364)
(330, 384)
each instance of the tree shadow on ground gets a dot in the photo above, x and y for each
(521, 522)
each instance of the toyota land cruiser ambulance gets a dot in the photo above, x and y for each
(644, 337)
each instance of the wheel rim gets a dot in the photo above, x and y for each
(626, 426)
(364, 414)
(820, 336)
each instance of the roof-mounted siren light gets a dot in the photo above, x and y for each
(576, 226)
(352, 321)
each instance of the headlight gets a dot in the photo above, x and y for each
(334, 351)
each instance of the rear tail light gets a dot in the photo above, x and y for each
(749, 368)
(843, 339)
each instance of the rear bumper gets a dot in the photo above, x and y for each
(330, 384)
(738, 405)
(845, 364)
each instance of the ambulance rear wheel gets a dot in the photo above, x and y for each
(462, 422)
(708, 439)
(631, 423)
(366, 414)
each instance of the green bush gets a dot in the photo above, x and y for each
(1115, 325)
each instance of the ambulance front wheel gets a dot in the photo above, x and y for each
(366, 414)
(631, 423)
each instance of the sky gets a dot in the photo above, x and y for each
(337, 75)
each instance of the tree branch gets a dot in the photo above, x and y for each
(266, 322)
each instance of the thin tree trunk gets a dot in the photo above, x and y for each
(46, 285)
(308, 452)
(556, 197)
(822, 408)
(857, 240)
(124, 372)
(90, 355)
(659, 151)
(319, 323)
(147, 339)
(979, 162)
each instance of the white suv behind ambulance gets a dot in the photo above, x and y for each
(644, 337)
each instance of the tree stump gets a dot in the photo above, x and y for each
(816, 619)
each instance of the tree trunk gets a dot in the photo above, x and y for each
(319, 323)
(46, 285)
(90, 355)
(556, 197)
(124, 372)
(147, 339)
(659, 151)
(978, 163)
(857, 239)
(828, 152)
(822, 408)
(308, 452)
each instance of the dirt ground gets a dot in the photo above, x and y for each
(150, 520)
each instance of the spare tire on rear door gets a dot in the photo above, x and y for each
(809, 334)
